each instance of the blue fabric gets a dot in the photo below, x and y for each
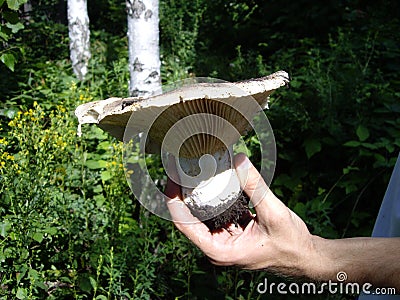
(388, 221)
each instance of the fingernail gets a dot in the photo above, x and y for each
(172, 201)
(244, 164)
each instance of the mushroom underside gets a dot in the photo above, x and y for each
(212, 118)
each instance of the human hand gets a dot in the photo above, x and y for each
(275, 239)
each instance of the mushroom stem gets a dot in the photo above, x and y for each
(210, 184)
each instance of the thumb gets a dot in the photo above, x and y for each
(264, 201)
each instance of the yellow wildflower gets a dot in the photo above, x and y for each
(73, 86)
(61, 108)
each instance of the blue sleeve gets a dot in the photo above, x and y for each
(388, 221)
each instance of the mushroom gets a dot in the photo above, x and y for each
(198, 124)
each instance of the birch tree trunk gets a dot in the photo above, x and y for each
(27, 9)
(79, 35)
(144, 53)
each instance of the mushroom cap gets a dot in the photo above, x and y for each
(236, 103)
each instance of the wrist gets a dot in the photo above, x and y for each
(306, 260)
(318, 264)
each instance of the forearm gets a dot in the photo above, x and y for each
(372, 260)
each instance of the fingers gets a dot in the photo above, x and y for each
(172, 190)
(179, 211)
(264, 201)
(195, 230)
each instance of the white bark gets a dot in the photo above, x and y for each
(79, 35)
(144, 54)
(27, 9)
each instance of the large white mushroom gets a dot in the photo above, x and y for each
(198, 124)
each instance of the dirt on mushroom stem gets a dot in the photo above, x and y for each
(204, 111)
(237, 213)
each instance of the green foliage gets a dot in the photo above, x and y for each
(69, 225)
(9, 26)
(346, 118)
(8, 59)
(180, 23)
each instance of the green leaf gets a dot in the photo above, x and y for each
(21, 293)
(3, 35)
(85, 284)
(21, 274)
(254, 139)
(312, 146)
(34, 274)
(1, 2)
(278, 192)
(38, 237)
(370, 146)
(105, 145)
(9, 60)
(101, 297)
(349, 169)
(15, 4)
(352, 144)
(240, 283)
(51, 230)
(93, 282)
(15, 27)
(362, 133)
(300, 209)
(99, 200)
(105, 175)
(350, 188)
(97, 188)
(4, 227)
(95, 164)
(241, 147)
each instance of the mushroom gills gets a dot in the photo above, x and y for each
(198, 124)
(200, 134)
(211, 188)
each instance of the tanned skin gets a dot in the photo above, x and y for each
(277, 240)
